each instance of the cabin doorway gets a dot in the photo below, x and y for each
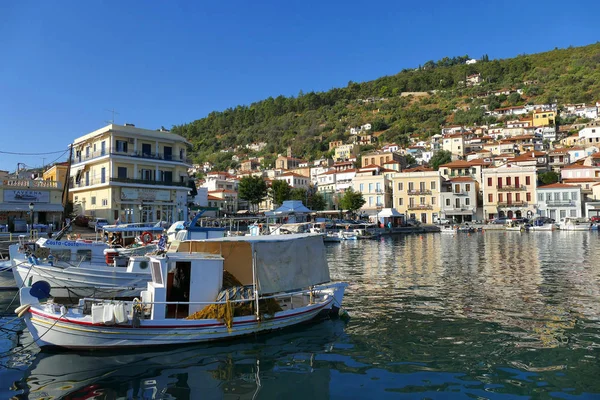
(178, 289)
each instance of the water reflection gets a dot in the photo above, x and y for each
(437, 316)
(239, 369)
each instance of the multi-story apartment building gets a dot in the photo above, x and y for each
(345, 152)
(283, 162)
(57, 173)
(455, 144)
(583, 176)
(509, 191)
(543, 118)
(417, 193)
(375, 186)
(131, 174)
(379, 158)
(558, 201)
(294, 180)
(459, 199)
(558, 159)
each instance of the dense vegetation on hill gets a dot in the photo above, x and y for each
(309, 121)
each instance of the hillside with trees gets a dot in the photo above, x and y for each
(414, 101)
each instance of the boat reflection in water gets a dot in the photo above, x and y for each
(274, 365)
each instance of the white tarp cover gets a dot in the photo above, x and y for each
(286, 265)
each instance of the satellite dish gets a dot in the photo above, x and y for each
(40, 290)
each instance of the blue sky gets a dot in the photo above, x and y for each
(160, 63)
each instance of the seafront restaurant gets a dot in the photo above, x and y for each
(24, 202)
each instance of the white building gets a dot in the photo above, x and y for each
(558, 201)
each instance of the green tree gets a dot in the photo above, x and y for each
(299, 194)
(253, 189)
(317, 202)
(410, 159)
(548, 177)
(351, 200)
(439, 158)
(280, 191)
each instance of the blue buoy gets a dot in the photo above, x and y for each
(40, 290)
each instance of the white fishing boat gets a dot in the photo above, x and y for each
(514, 226)
(449, 229)
(540, 225)
(79, 267)
(290, 271)
(574, 224)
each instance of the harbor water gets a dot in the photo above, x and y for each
(484, 315)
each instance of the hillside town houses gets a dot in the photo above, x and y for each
(130, 174)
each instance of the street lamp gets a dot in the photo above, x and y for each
(31, 206)
(141, 208)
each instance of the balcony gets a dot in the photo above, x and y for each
(148, 182)
(92, 182)
(512, 204)
(510, 188)
(420, 207)
(133, 154)
(559, 203)
(30, 183)
(419, 192)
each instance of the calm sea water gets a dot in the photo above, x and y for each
(487, 315)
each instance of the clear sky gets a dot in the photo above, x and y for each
(160, 63)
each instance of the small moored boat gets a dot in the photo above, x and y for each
(278, 281)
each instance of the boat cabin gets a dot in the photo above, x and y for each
(127, 234)
(191, 279)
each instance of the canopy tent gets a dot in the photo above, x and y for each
(388, 213)
(283, 262)
(289, 207)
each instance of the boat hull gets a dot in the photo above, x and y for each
(51, 329)
(7, 279)
(76, 282)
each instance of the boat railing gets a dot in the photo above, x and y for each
(290, 295)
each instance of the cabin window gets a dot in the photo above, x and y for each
(84, 255)
(156, 273)
(62, 255)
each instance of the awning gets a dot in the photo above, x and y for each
(389, 212)
(459, 212)
(24, 207)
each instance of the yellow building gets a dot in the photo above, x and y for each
(130, 174)
(543, 118)
(57, 173)
(19, 196)
(374, 184)
(345, 152)
(455, 144)
(416, 193)
(509, 191)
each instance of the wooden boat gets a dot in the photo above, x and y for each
(272, 267)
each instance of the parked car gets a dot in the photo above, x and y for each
(595, 218)
(96, 223)
(444, 221)
(499, 221)
(81, 220)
